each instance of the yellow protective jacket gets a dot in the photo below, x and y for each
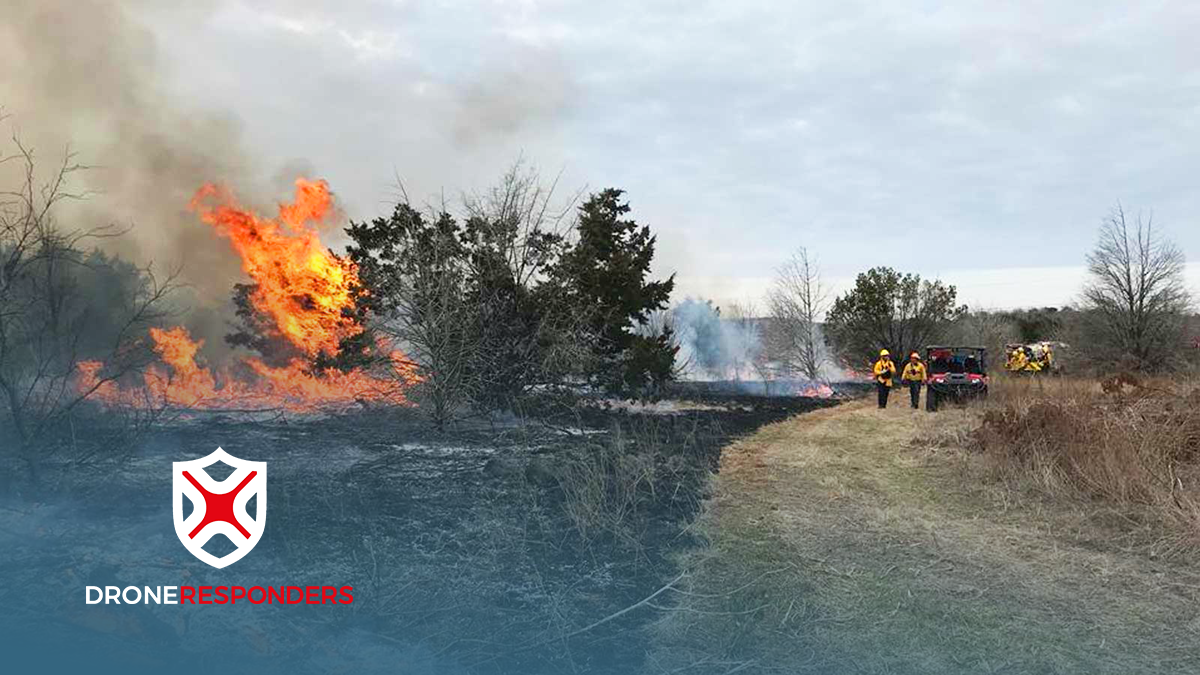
(913, 372)
(884, 372)
(1017, 361)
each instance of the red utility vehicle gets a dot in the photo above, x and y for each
(956, 374)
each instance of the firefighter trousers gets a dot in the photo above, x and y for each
(884, 390)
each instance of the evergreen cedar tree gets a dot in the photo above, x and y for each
(606, 270)
(255, 331)
(889, 310)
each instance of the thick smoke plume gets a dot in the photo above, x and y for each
(84, 76)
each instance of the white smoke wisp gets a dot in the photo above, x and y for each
(712, 347)
(830, 370)
(735, 350)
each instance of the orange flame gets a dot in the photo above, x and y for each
(306, 291)
(304, 288)
(818, 390)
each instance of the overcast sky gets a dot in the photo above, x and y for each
(982, 144)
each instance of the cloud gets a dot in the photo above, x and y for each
(530, 90)
(929, 138)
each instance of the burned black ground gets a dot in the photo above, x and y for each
(494, 548)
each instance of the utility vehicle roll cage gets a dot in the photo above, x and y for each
(941, 359)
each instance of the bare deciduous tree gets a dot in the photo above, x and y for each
(432, 320)
(797, 301)
(1137, 295)
(61, 306)
(530, 335)
(753, 330)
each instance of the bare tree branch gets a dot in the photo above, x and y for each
(797, 301)
(1137, 294)
(62, 307)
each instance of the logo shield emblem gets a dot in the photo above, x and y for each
(219, 507)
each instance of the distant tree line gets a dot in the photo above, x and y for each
(1134, 312)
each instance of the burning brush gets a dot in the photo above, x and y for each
(305, 297)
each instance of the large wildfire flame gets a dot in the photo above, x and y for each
(304, 290)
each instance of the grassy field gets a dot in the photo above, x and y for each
(864, 541)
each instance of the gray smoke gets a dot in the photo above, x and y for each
(84, 75)
(715, 347)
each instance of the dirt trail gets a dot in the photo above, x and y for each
(844, 541)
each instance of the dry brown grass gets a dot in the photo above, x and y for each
(1124, 441)
(856, 540)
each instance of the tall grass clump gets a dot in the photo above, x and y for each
(641, 471)
(1123, 440)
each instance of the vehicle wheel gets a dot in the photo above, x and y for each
(931, 401)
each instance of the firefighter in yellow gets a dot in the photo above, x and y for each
(884, 371)
(914, 376)
(1017, 360)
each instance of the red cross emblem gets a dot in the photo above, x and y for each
(219, 507)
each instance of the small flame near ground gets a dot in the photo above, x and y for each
(809, 388)
(303, 289)
(818, 391)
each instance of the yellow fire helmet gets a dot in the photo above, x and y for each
(884, 352)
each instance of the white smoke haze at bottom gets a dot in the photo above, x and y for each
(717, 347)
